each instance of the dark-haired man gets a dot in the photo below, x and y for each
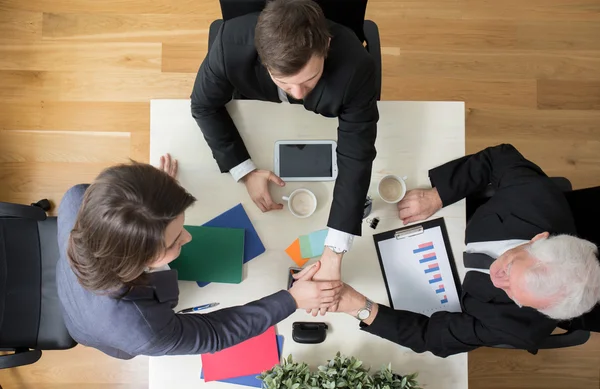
(291, 53)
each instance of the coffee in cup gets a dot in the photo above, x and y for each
(301, 202)
(391, 189)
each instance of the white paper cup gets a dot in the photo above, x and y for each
(391, 188)
(302, 203)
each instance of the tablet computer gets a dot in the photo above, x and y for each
(305, 160)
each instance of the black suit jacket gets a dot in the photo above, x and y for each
(525, 203)
(346, 90)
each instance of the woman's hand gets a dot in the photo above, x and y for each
(168, 165)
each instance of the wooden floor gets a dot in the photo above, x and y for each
(76, 77)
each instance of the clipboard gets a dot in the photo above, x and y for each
(418, 268)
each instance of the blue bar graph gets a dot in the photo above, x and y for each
(432, 269)
(427, 259)
(421, 249)
(435, 280)
(444, 301)
(440, 290)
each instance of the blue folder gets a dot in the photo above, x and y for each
(237, 217)
(250, 380)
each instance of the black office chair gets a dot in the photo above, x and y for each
(30, 313)
(585, 207)
(350, 13)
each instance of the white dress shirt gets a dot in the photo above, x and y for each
(341, 241)
(492, 248)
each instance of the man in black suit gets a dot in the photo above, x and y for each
(535, 283)
(291, 53)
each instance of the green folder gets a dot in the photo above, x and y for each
(213, 255)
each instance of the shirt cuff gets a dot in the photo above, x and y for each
(240, 171)
(341, 241)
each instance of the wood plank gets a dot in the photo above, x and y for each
(20, 26)
(94, 86)
(26, 183)
(128, 7)
(78, 368)
(139, 150)
(377, 10)
(573, 94)
(550, 35)
(183, 57)
(75, 56)
(571, 367)
(44, 164)
(548, 10)
(491, 63)
(499, 92)
(419, 34)
(506, 124)
(75, 116)
(130, 28)
(579, 161)
(63, 146)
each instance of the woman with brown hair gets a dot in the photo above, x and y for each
(116, 238)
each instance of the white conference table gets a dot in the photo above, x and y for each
(412, 138)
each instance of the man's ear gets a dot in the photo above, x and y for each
(543, 235)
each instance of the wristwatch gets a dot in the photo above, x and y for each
(365, 312)
(337, 250)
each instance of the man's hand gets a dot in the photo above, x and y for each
(351, 302)
(257, 185)
(312, 294)
(330, 270)
(419, 204)
(168, 165)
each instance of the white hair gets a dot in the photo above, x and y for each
(567, 272)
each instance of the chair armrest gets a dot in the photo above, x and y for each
(568, 339)
(22, 211)
(213, 30)
(374, 48)
(21, 357)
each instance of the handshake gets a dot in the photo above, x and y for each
(331, 295)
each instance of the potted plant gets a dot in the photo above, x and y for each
(387, 379)
(340, 372)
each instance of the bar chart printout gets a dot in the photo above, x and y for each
(418, 273)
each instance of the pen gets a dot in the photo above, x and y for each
(198, 308)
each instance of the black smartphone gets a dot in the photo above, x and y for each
(291, 272)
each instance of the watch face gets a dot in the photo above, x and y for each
(363, 314)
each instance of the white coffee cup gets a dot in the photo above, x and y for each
(302, 203)
(391, 188)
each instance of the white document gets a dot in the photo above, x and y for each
(418, 273)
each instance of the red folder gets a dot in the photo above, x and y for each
(250, 357)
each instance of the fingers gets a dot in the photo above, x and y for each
(330, 294)
(330, 285)
(260, 204)
(167, 166)
(308, 273)
(406, 213)
(275, 179)
(161, 166)
(174, 168)
(271, 205)
(411, 219)
(266, 204)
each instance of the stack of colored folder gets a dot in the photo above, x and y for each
(241, 364)
(307, 246)
(218, 249)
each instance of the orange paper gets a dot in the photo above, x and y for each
(294, 252)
